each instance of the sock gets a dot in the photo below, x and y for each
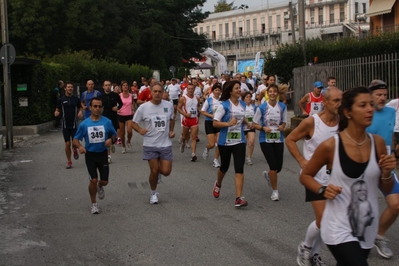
(275, 190)
(317, 243)
(311, 234)
(153, 192)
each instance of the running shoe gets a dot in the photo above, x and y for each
(382, 247)
(109, 159)
(275, 196)
(240, 202)
(154, 198)
(249, 162)
(198, 140)
(216, 163)
(118, 141)
(69, 165)
(129, 146)
(100, 192)
(193, 157)
(216, 190)
(317, 260)
(123, 150)
(266, 176)
(95, 209)
(304, 257)
(180, 140)
(182, 147)
(205, 154)
(113, 148)
(187, 145)
(159, 178)
(75, 154)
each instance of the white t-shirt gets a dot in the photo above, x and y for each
(174, 91)
(395, 104)
(244, 88)
(156, 119)
(261, 88)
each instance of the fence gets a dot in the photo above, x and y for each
(348, 73)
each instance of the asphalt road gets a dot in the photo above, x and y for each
(45, 212)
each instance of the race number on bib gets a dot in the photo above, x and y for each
(159, 122)
(96, 134)
(250, 119)
(234, 134)
(273, 136)
(193, 112)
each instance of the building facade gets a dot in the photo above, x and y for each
(240, 34)
(384, 16)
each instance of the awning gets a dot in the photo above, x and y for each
(379, 7)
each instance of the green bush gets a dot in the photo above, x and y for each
(288, 57)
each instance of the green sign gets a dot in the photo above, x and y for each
(22, 87)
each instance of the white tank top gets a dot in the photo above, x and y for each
(191, 106)
(320, 134)
(353, 215)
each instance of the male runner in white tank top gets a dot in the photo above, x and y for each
(314, 130)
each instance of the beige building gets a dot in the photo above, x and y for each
(240, 34)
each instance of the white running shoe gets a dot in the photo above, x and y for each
(129, 146)
(100, 192)
(187, 145)
(205, 154)
(304, 257)
(275, 196)
(109, 159)
(95, 209)
(266, 176)
(154, 198)
(123, 150)
(216, 163)
(249, 162)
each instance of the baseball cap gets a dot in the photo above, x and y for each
(377, 84)
(211, 77)
(318, 84)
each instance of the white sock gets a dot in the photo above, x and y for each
(153, 192)
(311, 234)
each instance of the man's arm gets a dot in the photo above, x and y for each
(182, 101)
(303, 130)
(303, 101)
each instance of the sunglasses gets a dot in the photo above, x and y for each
(97, 106)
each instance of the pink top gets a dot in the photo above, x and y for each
(127, 105)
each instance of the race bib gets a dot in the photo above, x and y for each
(193, 112)
(273, 136)
(96, 134)
(316, 107)
(159, 123)
(250, 119)
(234, 135)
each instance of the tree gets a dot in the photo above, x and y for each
(152, 32)
(223, 6)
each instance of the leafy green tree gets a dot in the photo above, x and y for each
(152, 32)
(223, 6)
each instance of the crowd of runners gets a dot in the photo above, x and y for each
(348, 146)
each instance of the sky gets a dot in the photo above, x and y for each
(209, 4)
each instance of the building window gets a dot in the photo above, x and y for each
(320, 16)
(332, 14)
(248, 27)
(234, 29)
(341, 12)
(208, 31)
(356, 7)
(263, 28)
(364, 8)
(312, 12)
(255, 26)
(278, 20)
(201, 30)
(270, 24)
(226, 29)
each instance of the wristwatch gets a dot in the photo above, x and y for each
(322, 190)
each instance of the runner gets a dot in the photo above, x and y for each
(313, 100)
(188, 107)
(69, 107)
(125, 116)
(359, 164)
(111, 104)
(208, 109)
(249, 131)
(270, 118)
(314, 130)
(157, 116)
(383, 125)
(230, 117)
(87, 96)
(174, 92)
(98, 133)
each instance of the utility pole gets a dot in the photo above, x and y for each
(7, 76)
(292, 20)
(268, 25)
(301, 24)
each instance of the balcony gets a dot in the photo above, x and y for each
(384, 29)
(318, 3)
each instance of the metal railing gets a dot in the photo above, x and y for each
(349, 73)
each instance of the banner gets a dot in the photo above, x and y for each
(249, 65)
(218, 58)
